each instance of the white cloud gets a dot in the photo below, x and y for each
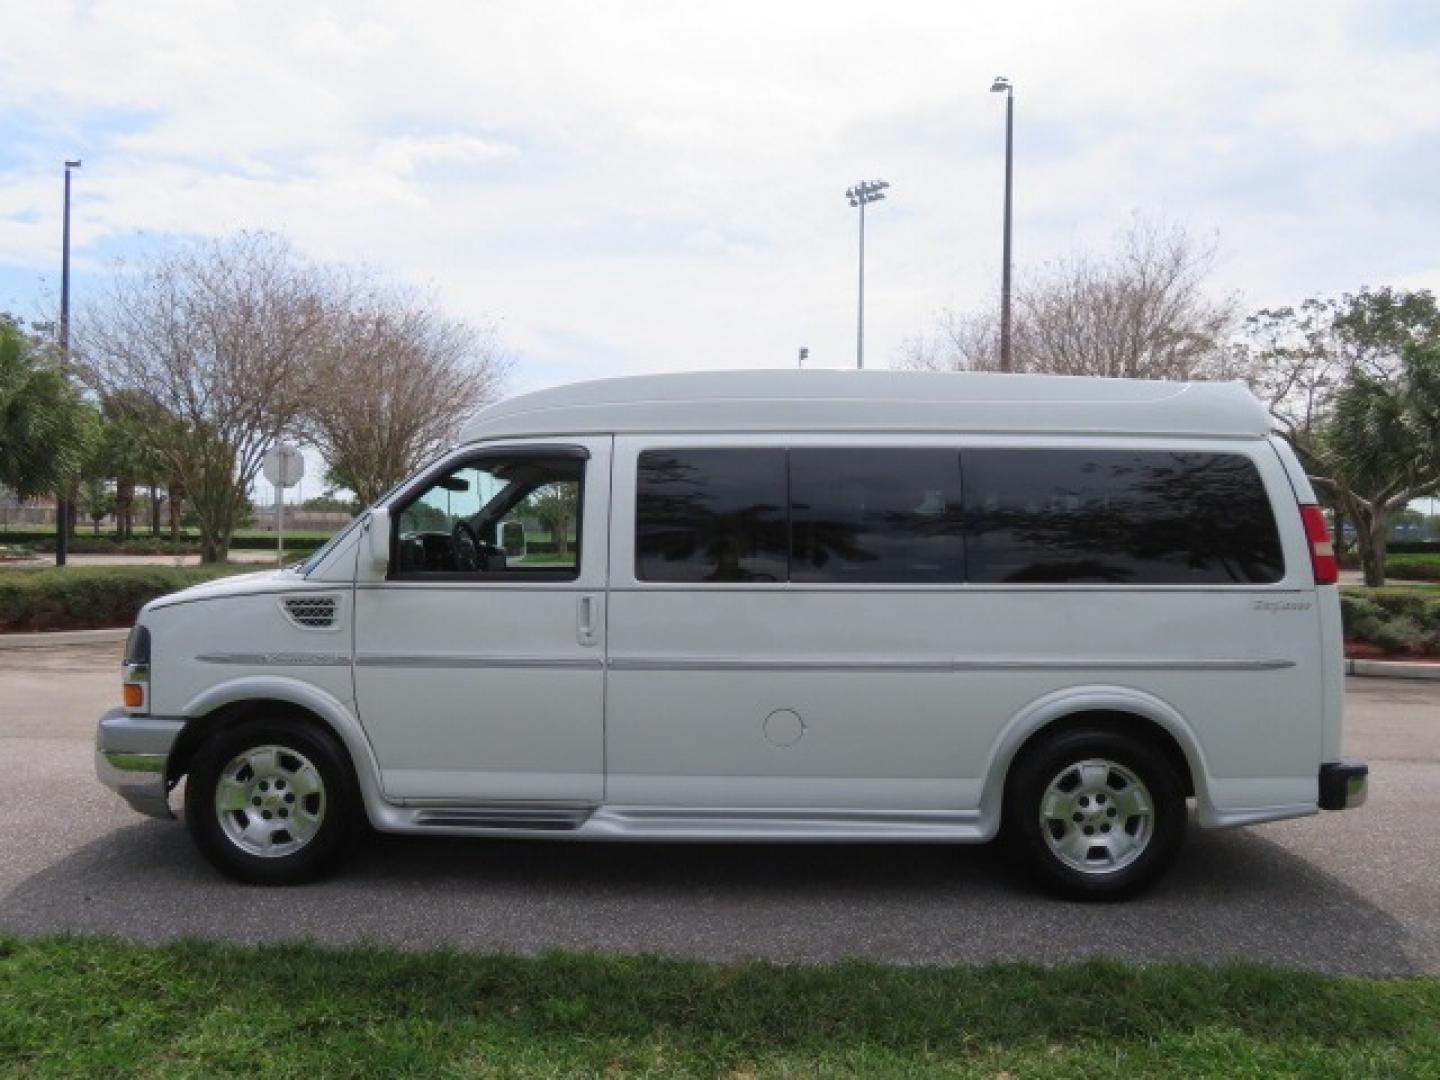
(655, 185)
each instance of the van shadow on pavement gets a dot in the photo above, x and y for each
(1231, 896)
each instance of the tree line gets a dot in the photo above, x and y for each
(188, 365)
(1352, 381)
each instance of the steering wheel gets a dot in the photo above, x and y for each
(466, 547)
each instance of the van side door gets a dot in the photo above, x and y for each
(479, 669)
(782, 618)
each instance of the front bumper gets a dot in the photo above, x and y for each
(131, 753)
(1343, 784)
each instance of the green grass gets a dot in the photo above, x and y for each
(72, 1007)
(536, 557)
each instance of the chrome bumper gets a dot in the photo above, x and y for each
(130, 757)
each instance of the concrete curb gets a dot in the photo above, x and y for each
(1392, 669)
(62, 637)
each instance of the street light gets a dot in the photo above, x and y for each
(1002, 85)
(62, 504)
(867, 191)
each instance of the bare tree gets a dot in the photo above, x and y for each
(217, 336)
(393, 382)
(959, 342)
(1138, 312)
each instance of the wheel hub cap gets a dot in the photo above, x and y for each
(1097, 816)
(270, 801)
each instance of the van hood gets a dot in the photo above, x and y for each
(262, 581)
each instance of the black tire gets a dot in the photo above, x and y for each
(338, 809)
(1105, 878)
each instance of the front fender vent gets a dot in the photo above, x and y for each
(311, 612)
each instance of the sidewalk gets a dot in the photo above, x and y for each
(1393, 669)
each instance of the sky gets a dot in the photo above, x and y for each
(631, 186)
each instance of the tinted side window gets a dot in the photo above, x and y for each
(875, 515)
(1117, 516)
(711, 515)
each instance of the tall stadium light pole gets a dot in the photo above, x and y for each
(62, 505)
(1002, 85)
(867, 191)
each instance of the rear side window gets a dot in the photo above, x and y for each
(883, 515)
(711, 515)
(1118, 517)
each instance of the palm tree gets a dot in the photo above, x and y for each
(1383, 442)
(45, 428)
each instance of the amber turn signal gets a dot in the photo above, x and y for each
(134, 695)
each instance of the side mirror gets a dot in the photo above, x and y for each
(378, 538)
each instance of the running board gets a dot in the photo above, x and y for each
(685, 824)
(778, 825)
(557, 819)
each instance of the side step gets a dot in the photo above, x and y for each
(546, 819)
(682, 824)
(783, 824)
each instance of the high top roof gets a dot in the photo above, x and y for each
(875, 401)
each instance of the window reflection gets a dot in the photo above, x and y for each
(1116, 516)
(882, 515)
(711, 515)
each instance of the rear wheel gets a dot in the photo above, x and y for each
(271, 802)
(1095, 814)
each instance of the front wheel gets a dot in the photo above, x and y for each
(271, 803)
(1095, 814)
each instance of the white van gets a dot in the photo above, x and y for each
(776, 606)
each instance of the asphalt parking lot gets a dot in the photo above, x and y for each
(1352, 892)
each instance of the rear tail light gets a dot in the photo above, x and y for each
(135, 668)
(1322, 550)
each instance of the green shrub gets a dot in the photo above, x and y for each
(145, 543)
(266, 542)
(1414, 547)
(1395, 619)
(137, 545)
(1362, 617)
(1413, 567)
(1400, 634)
(162, 545)
(89, 597)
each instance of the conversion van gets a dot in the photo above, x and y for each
(776, 606)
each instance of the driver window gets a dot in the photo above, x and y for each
(495, 517)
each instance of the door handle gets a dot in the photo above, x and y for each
(585, 620)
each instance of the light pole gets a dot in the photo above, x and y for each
(867, 191)
(1002, 85)
(62, 504)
